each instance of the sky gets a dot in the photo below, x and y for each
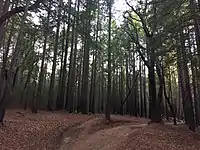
(118, 8)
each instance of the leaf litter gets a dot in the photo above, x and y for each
(26, 131)
(131, 133)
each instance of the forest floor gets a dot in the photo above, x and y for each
(23, 130)
(129, 133)
(60, 130)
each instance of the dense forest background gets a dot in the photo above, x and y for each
(75, 55)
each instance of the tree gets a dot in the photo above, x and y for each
(52, 81)
(42, 69)
(108, 102)
(85, 73)
(61, 99)
(9, 78)
(19, 9)
(146, 65)
(155, 113)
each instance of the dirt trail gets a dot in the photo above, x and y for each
(97, 135)
(129, 133)
(24, 130)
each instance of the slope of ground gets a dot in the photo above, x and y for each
(129, 133)
(161, 137)
(26, 131)
(100, 134)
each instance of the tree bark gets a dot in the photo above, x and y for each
(42, 69)
(64, 71)
(108, 101)
(2, 26)
(53, 72)
(10, 75)
(185, 85)
(59, 102)
(19, 9)
(69, 92)
(141, 91)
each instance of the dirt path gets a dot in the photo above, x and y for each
(95, 135)
(129, 133)
(24, 130)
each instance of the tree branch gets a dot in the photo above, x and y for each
(127, 12)
(19, 9)
(138, 50)
(136, 41)
(129, 92)
(144, 25)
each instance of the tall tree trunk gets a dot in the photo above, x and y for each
(12, 72)
(5, 6)
(26, 84)
(42, 69)
(64, 71)
(144, 90)
(185, 86)
(75, 55)
(102, 86)
(141, 91)
(195, 17)
(94, 65)
(69, 91)
(53, 72)
(127, 80)
(134, 93)
(108, 102)
(193, 62)
(59, 102)
(84, 87)
(5, 54)
(80, 68)
(92, 84)
(155, 113)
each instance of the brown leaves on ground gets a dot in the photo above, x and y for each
(27, 131)
(131, 133)
(99, 134)
(162, 137)
(100, 123)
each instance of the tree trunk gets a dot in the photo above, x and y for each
(141, 91)
(69, 92)
(75, 55)
(155, 112)
(5, 7)
(185, 85)
(108, 102)
(64, 71)
(42, 69)
(59, 102)
(34, 101)
(53, 72)
(144, 89)
(11, 73)
(79, 80)
(84, 87)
